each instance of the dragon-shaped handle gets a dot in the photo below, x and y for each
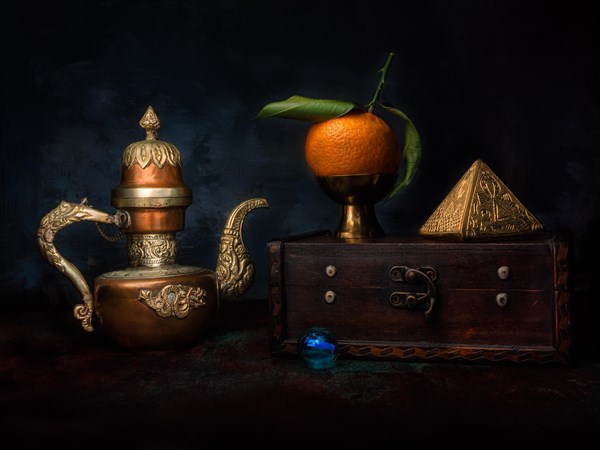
(235, 269)
(65, 214)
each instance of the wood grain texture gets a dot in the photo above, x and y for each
(466, 322)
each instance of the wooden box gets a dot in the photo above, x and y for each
(414, 298)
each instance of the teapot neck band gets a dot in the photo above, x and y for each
(151, 250)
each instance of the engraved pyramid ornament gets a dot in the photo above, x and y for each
(480, 206)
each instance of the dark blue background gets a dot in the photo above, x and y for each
(512, 83)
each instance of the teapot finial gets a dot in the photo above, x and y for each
(150, 123)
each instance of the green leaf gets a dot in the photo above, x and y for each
(412, 151)
(305, 108)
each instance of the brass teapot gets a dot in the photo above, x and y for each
(154, 303)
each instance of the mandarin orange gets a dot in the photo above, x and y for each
(355, 143)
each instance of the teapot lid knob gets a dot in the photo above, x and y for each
(150, 123)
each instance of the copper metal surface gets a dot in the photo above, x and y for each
(135, 325)
(151, 176)
(155, 220)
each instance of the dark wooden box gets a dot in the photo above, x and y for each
(413, 298)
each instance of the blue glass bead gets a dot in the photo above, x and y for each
(317, 348)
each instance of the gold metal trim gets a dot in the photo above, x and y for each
(151, 250)
(235, 269)
(65, 214)
(174, 300)
(145, 192)
(150, 202)
(143, 273)
(151, 197)
(146, 152)
(152, 149)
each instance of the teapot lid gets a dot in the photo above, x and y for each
(151, 150)
(151, 175)
(151, 168)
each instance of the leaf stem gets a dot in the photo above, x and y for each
(373, 102)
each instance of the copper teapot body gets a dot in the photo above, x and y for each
(154, 303)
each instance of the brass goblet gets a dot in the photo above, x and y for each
(358, 194)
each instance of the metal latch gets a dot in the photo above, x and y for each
(412, 299)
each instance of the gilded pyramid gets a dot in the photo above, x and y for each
(480, 206)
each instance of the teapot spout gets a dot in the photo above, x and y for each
(235, 269)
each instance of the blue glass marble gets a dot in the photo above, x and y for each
(317, 348)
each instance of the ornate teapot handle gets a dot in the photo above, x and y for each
(65, 214)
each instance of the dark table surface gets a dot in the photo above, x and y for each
(61, 385)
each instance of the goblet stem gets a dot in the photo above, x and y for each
(359, 222)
